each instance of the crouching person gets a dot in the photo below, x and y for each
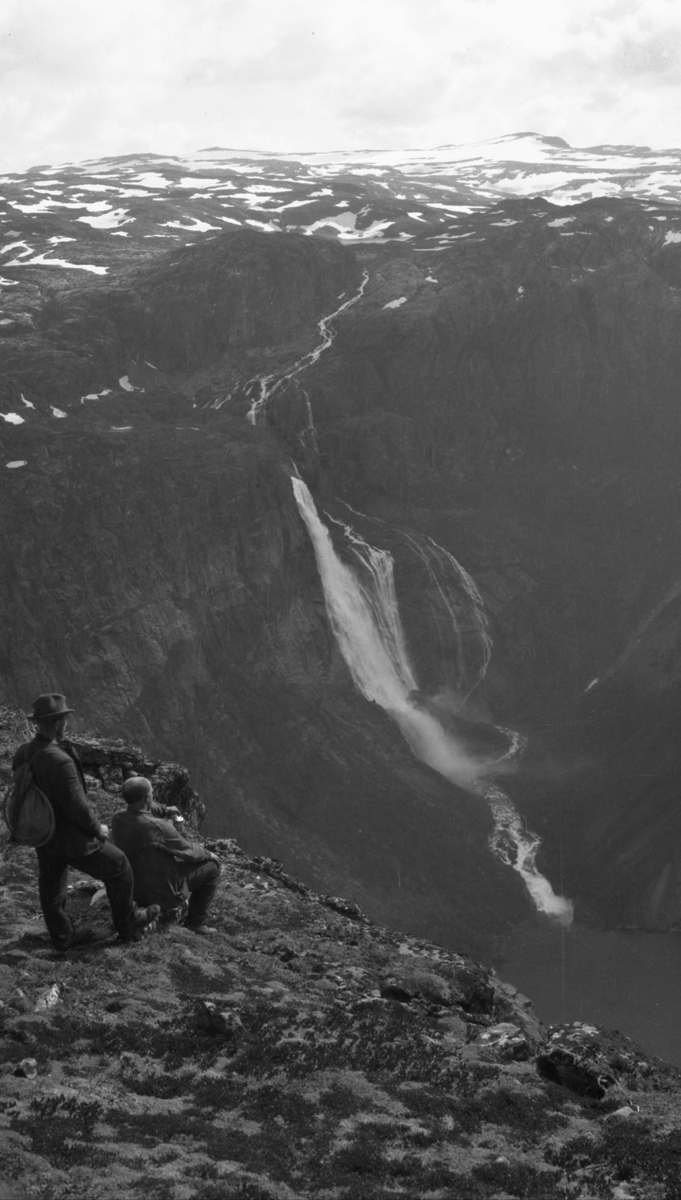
(79, 839)
(165, 865)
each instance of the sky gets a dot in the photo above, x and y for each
(80, 80)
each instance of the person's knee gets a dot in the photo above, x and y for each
(113, 864)
(112, 853)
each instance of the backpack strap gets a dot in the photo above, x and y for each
(41, 750)
(28, 762)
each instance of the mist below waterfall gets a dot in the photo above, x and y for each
(361, 603)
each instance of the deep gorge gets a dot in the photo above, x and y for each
(520, 408)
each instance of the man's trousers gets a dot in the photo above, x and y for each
(108, 864)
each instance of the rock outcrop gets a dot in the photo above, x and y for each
(301, 1051)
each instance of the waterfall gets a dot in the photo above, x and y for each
(363, 611)
(517, 847)
(437, 561)
(455, 602)
(267, 385)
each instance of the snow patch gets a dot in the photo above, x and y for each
(42, 207)
(57, 412)
(297, 203)
(12, 418)
(345, 224)
(40, 261)
(127, 386)
(672, 235)
(18, 462)
(12, 245)
(88, 187)
(96, 395)
(458, 208)
(45, 205)
(152, 180)
(108, 220)
(194, 181)
(197, 227)
(267, 187)
(396, 303)
(588, 191)
(560, 221)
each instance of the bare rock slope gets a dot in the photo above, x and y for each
(301, 1051)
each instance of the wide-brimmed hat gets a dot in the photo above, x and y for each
(51, 704)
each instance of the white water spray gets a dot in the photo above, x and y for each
(517, 847)
(467, 620)
(364, 615)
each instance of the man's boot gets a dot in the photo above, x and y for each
(142, 919)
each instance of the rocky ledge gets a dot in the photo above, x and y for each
(300, 1051)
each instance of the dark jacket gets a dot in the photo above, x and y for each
(57, 771)
(159, 856)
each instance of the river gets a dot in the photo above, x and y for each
(625, 980)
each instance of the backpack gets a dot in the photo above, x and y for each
(29, 816)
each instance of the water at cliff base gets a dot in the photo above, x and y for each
(620, 979)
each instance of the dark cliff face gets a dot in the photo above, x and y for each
(158, 568)
(229, 295)
(166, 581)
(518, 406)
(233, 295)
(523, 412)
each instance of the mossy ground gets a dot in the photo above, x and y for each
(265, 1062)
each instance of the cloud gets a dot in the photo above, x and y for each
(658, 56)
(79, 81)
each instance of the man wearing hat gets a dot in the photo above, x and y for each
(79, 840)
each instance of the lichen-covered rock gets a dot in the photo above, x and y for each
(596, 1062)
(505, 1042)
